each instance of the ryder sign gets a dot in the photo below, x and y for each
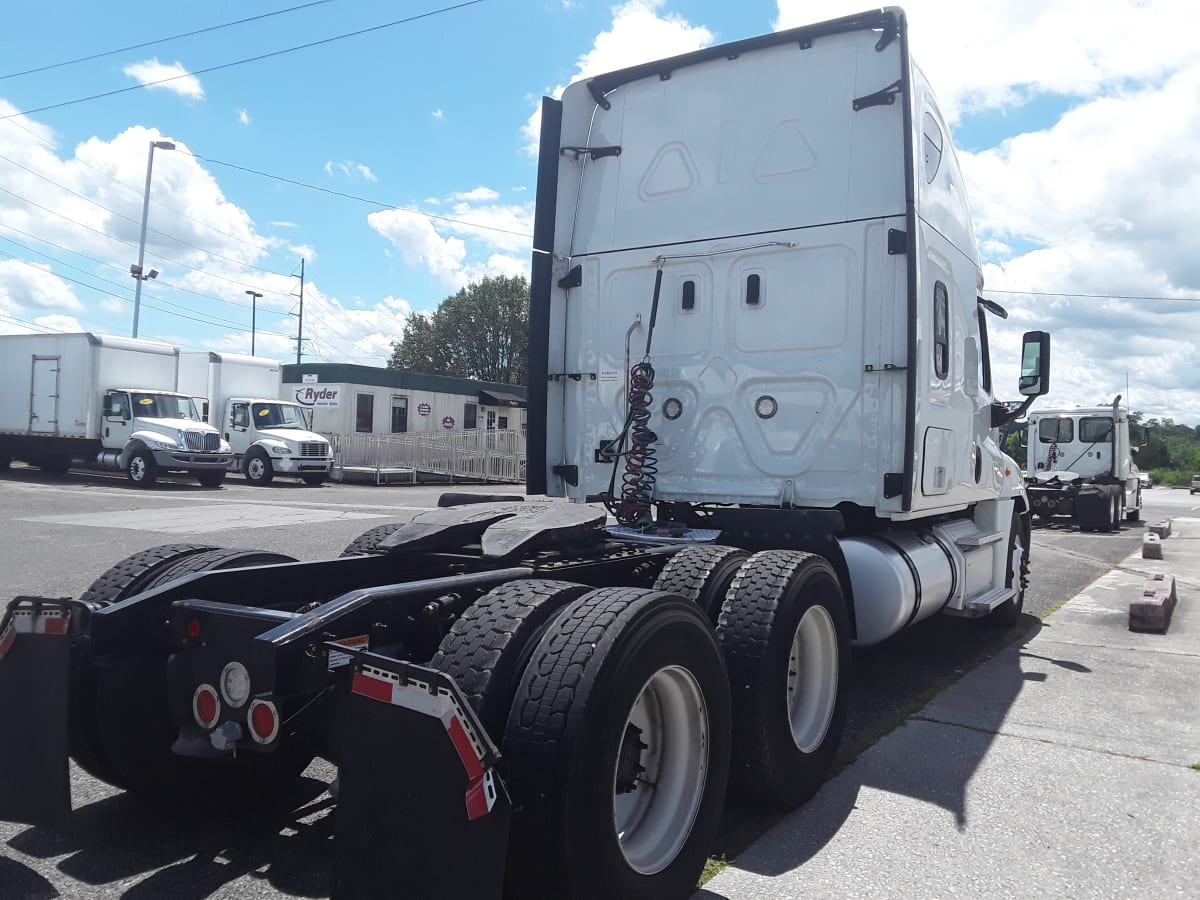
(311, 395)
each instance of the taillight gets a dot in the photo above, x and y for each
(205, 706)
(263, 721)
(235, 684)
(193, 628)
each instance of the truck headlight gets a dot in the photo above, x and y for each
(282, 451)
(165, 443)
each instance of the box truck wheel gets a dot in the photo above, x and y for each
(211, 477)
(1007, 613)
(126, 578)
(487, 648)
(702, 574)
(257, 467)
(5, 461)
(784, 633)
(141, 468)
(617, 751)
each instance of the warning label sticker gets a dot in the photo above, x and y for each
(338, 660)
(610, 375)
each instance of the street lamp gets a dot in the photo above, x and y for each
(254, 295)
(136, 269)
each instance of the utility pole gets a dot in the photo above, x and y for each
(254, 295)
(300, 318)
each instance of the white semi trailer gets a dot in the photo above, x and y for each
(756, 334)
(268, 436)
(107, 401)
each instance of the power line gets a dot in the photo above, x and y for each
(174, 37)
(368, 200)
(240, 62)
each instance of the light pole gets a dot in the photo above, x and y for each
(136, 269)
(254, 295)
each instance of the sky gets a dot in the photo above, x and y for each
(400, 163)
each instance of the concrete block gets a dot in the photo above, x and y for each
(1162, 529)
(1151, 546)
(1153, 609)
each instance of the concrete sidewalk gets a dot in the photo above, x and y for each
(1059, 768)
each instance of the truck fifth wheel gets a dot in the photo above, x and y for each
(757, 338)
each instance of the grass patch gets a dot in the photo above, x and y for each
(1195, 766)
(717, 864)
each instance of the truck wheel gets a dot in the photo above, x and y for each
(56, 465)
(785, 635)
(1135, 515)
(368, 541)
(137, 732)
(125, 579)
(702, 574)
(211, 479)
(315, 478)
(213, 560)
(257, 467)
(1114, 513)
(617, 751)
(1007, 613)
(141, 469)
(133, 730)
(487, 649)
(5, 462)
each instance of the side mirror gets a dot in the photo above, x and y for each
(1035, 364)
(1139, 436)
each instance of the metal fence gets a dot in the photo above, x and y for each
(476, 455)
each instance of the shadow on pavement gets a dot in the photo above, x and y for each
(117, 840)
(923, 758)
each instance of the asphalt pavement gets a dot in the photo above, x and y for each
(1067, 765)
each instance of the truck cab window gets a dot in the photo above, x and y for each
(239, 416)
(985, 361)
(1095, 429)
(1056, 431)
(933, 147)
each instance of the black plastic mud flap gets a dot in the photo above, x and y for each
(421, 809)
(35, 654)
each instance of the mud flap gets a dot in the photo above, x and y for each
(35, 654)
(421, 809)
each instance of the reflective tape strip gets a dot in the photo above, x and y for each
(7, 640)
(46, 621)
(379, 684)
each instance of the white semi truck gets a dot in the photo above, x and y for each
(108, 401)
(756, 334)
(1080, 465)
(268, 436)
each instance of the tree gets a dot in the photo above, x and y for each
(480, 332)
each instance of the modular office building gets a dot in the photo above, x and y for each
(353, 399)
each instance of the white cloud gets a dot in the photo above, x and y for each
(365, 172)
(638, 34)
(30, 286)
(480, 193)
(438, 114)
(350, 168)
(306, 252)
(151, 71)
(243, 117)
(279, 223)
(420, 243)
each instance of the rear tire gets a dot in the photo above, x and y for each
(125, 579)
(785, 636)
(1008, 613)
(368, 541)
(702, 574)
(626, 690)
(487, 649)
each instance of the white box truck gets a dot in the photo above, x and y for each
(109, 400)
(268, 436)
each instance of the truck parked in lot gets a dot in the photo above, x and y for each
(756, 336)
(268, 436)
(1080, 466)
(108, 401)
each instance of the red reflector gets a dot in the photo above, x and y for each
(193, 628)
(264, 721)
(205, 706)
